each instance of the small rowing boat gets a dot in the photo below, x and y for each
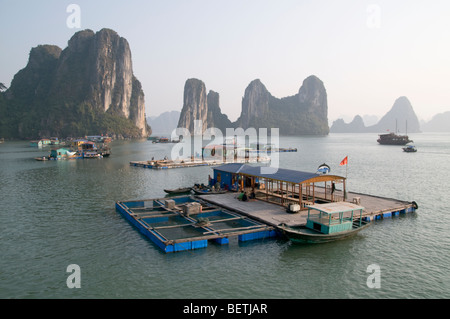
(180, 190)
(207, 191)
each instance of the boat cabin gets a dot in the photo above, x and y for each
(283, 187)
(163, 140)
(333, 217)
(78, 143)
(88, 146)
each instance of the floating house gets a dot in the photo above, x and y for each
(280, 186)
(99, 138)
(60, 153)
(41, 143)
(153, 138)
(77, 143)
(90, 149)
(225, 152)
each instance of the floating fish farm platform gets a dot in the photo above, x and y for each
(275, 150)
(166, 164)
(277, 200)
(191, 222)
(186, 223)
(375, 208)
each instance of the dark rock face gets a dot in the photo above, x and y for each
(215, 116)
(195, 106)
(302, 114)
(255, 105)
(89, 86)
(203, 107)
(305, 113)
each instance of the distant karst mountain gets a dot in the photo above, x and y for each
(87, 88)
(304, 113)
(439, 123)
(401, 117)
(165, 123)
(355, 126)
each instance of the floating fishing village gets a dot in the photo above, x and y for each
(253, 202)
(215, 154)
(88, 147)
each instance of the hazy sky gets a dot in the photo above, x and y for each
(367, 53)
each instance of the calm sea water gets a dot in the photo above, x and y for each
(53, 214)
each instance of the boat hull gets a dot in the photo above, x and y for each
(393, 139)
(178, 190)
(303, 235)
(207, 192)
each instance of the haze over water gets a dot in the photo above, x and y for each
(54, 214)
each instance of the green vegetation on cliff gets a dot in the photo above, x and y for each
(86, 89)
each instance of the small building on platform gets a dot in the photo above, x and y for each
(59, 153)
(280, 186)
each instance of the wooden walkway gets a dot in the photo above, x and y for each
(273, 214)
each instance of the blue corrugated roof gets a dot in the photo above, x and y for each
(281, 174)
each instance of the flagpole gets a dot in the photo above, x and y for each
(346, 180)
(345, 162)
(346, 168)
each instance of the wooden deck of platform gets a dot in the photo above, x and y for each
(268, 213)
(273, 214)
(167, 164)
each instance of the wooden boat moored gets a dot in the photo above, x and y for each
(326, 223)
(207, 190)
(179, 190)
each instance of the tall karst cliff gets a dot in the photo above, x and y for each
(87, 88)
(215, 116)
(305, 113)
(197, 105)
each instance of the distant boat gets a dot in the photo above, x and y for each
(409, 148)
(393, 139)
(326, 223)
(178, 190)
